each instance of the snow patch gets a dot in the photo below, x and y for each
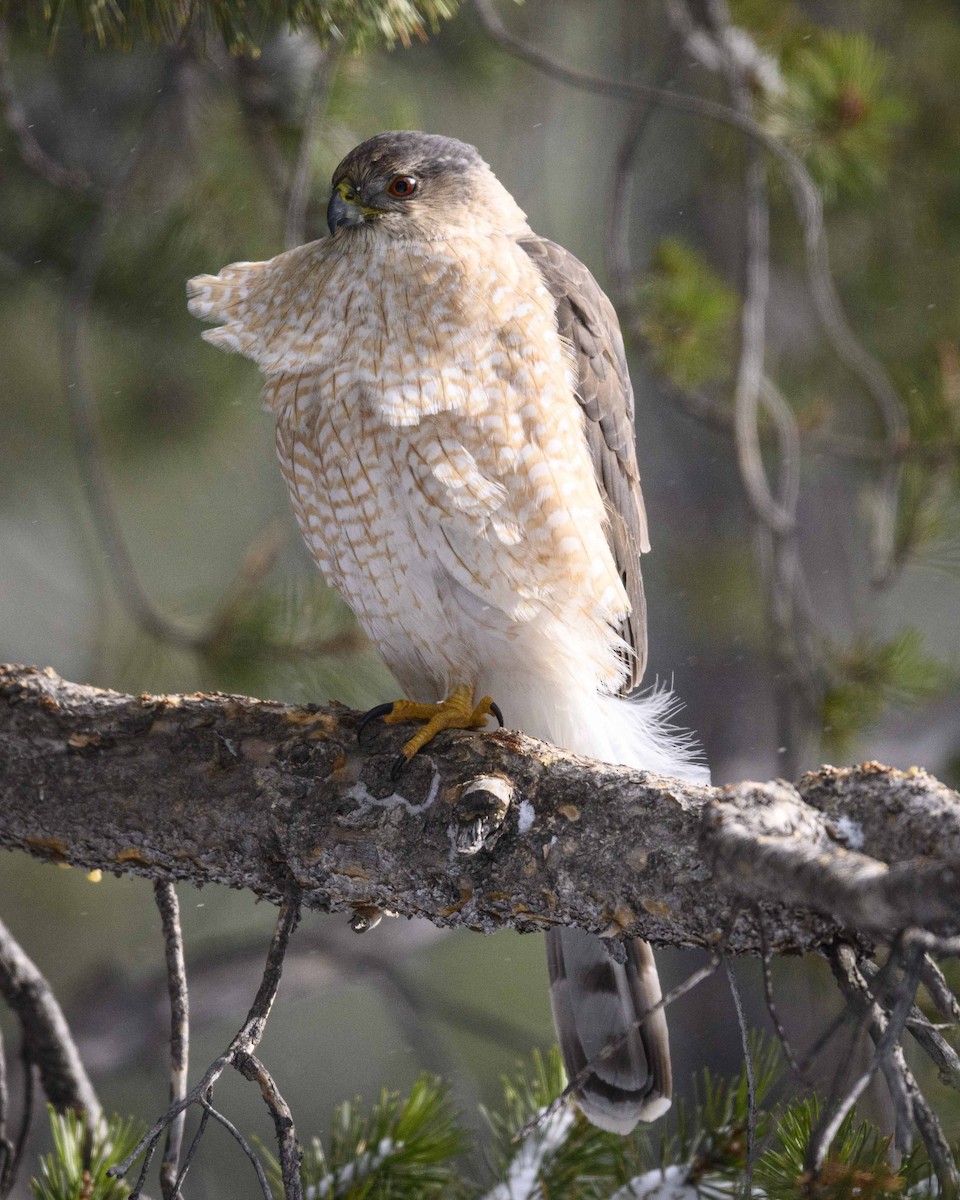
(337, 1182)
(848, 831)
(521, 1182)
(362, 796)
(668, 1184)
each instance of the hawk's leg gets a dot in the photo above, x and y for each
(458, 711)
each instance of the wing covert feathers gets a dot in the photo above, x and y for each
(587, 321)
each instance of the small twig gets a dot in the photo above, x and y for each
(849, 973)
(194, 1143)
(765, 964)
(166, 898)
(245, 1040)
(750, 372)
(290, 1151)
(7, 1153)
(142, 1177)
(751, 1081)
(611, 1047)
(243, 1144)
(934, 1045)
(774, 508)
(617, 241)
(909, 1102)
(32, 154)
(788, 436)
(939, 990)
(26, 1120)
(843, 1017)
(932, 943)
(829, 1124)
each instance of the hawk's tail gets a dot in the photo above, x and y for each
(602, 1008)
(598, 1005)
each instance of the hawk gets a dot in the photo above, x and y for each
(454, 420)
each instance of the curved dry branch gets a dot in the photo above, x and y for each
(47, 1042)
(252, 794)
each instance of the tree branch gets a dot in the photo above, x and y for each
(47, 1041)
(226, 789)
(166, 897)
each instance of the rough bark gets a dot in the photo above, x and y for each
(485, 830)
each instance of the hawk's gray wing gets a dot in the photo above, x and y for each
(588, 322)
(598, 1003)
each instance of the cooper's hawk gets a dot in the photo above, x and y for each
(455, 424)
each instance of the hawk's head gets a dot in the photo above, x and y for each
(419, 185)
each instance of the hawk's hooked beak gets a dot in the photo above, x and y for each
(341, 212)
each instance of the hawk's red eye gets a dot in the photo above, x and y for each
(402, 186)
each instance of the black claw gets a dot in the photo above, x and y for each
(398, 764)
(495, 709)
(372, 714)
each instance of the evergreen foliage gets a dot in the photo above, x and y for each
(837, 109)
(244, 25)
(857, 1168)
(402, 1147)
(77, 1167)
(415, 1147)
(871, 674)
(687, 315)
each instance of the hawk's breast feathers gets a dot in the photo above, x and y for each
(485, 375)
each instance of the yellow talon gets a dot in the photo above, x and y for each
(458, 711)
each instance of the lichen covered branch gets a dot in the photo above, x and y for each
(252, 794)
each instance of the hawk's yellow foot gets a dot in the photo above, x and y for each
(458, 711)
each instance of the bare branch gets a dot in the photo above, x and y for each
(765, 960)
(290, 1153)
(32, 154)
(242, 1143)
(940, 992)
(936, 1047)
(244, 1042)
(26, 1120)
(849, 975)
(47, 1041)
(751, 1080)
(911, 1106)
(829, 1124)
(167, 903)
(7, 1156)
(800, 856)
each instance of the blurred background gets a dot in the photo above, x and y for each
(805, 574)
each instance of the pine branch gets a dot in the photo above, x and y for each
(252, 793)
(242, 25)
